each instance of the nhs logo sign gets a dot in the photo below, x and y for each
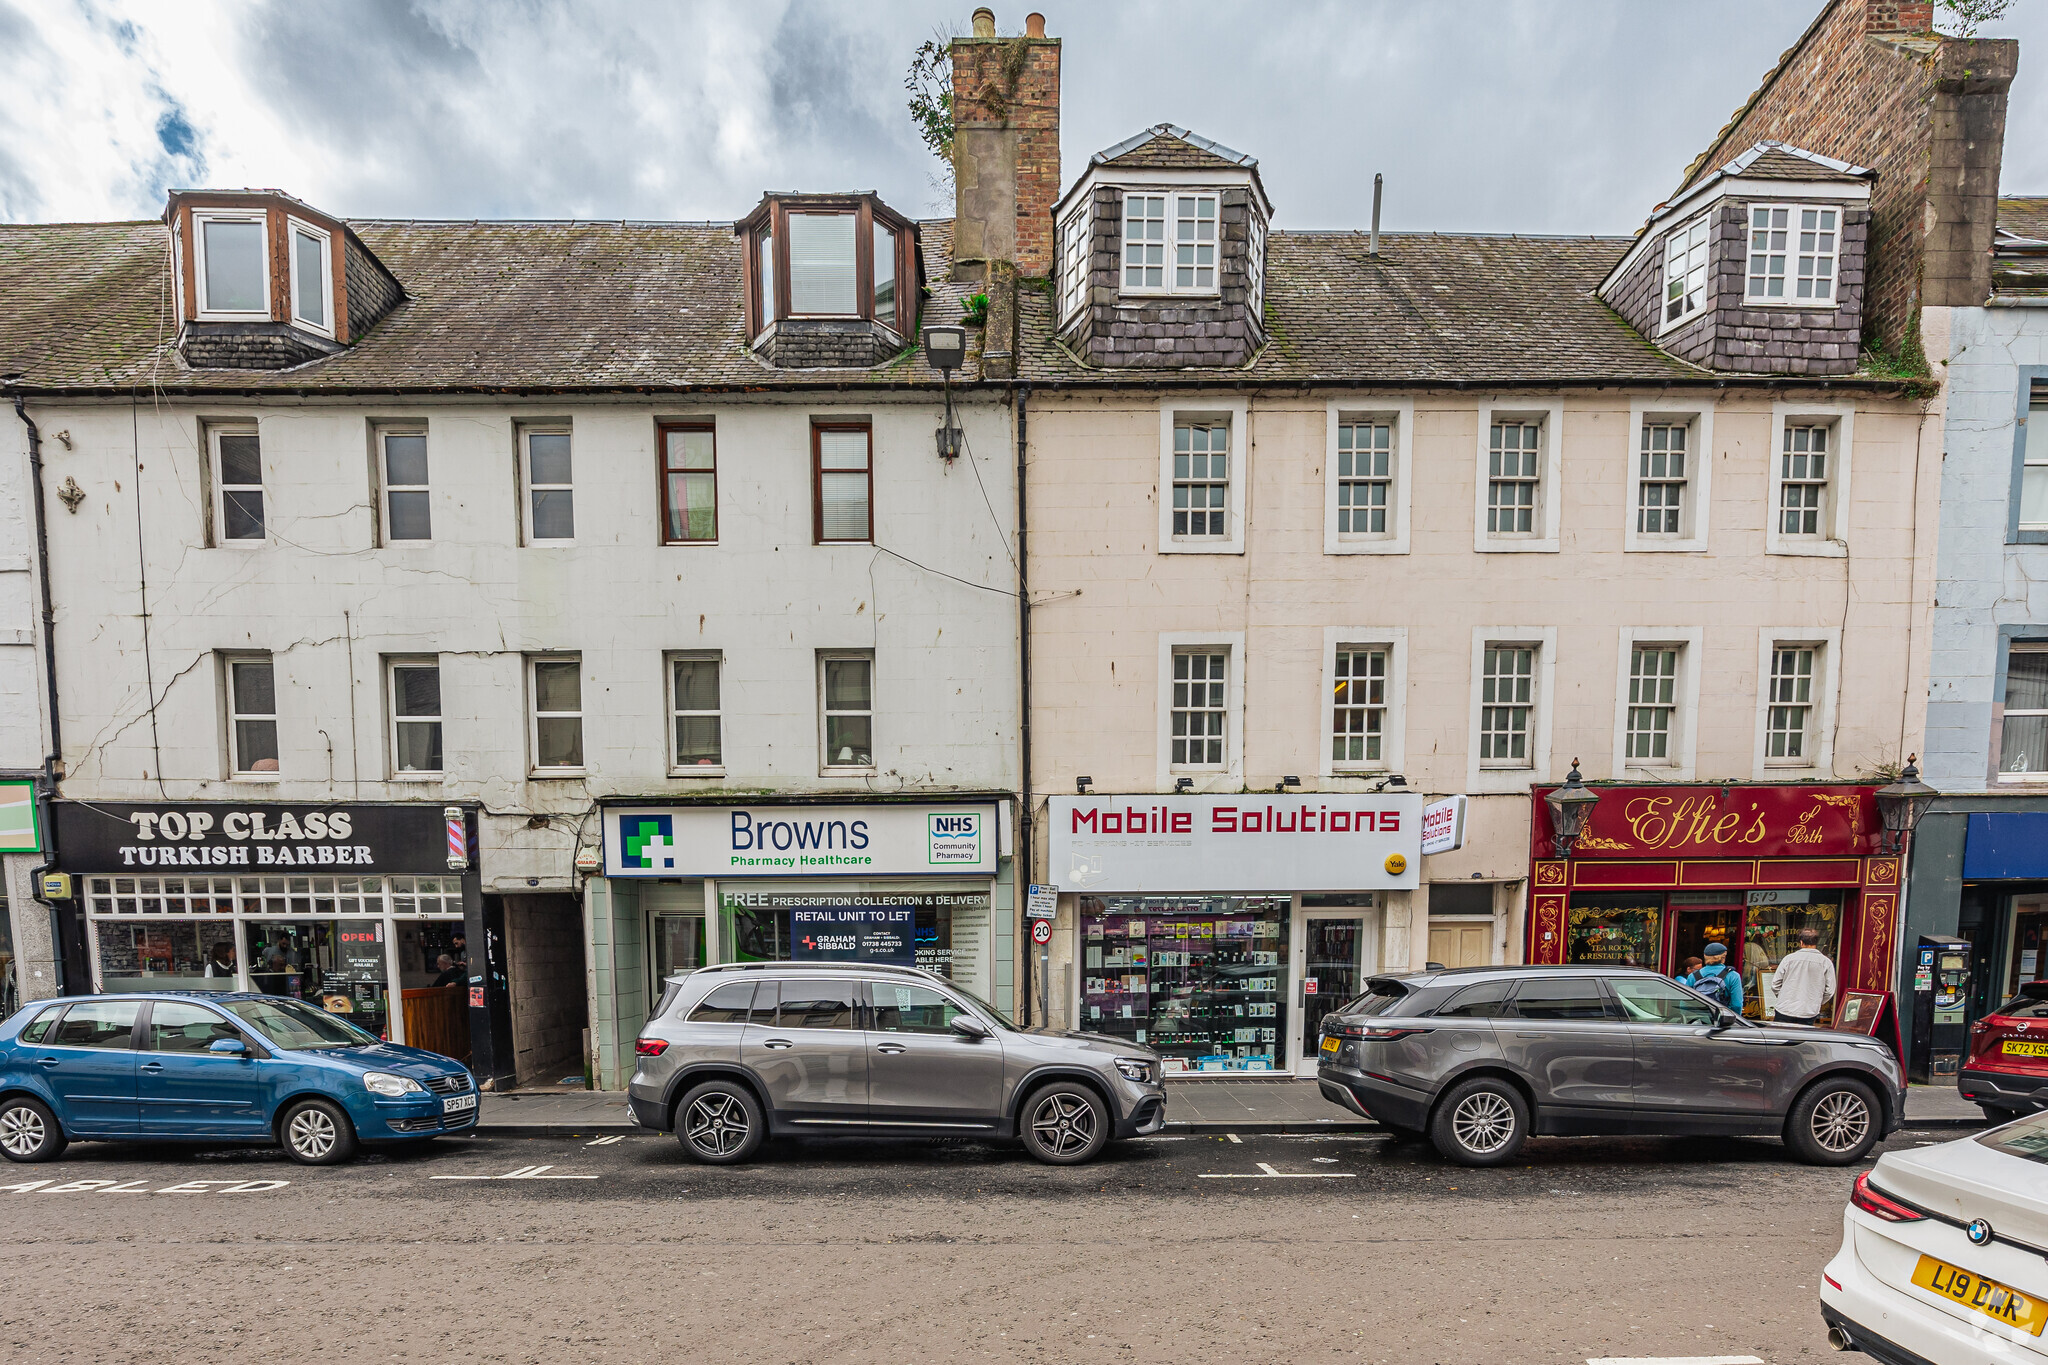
(955, 837)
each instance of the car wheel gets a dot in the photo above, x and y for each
(29, 1131)
(317, 1133)
(1480, 1123)
(1834, 1123)
(1065, 1124)
(719, 1123)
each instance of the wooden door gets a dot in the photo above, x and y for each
(1458, 944)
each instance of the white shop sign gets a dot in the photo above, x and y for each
(809, 841)
(1236, 843)
(1443, 825)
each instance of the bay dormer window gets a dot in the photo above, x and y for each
(815, 263)
(232, 265)
(1685, 269)
(1792, 250)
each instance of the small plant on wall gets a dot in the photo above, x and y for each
(977, 310)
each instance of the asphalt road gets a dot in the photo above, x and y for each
(1191, 1249)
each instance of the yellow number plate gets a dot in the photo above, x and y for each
(1989, 1297)
(1331, 1045)
(2020, 1047)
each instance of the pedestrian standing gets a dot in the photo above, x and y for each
(1689, 970)
(1804, 982)
(1716, 981)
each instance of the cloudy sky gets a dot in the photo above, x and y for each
(1485, 115)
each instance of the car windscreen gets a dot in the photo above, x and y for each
(295, 1025)
(988, 1012)
(2028, 1138)
(2030, 1003)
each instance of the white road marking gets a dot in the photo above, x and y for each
(605, 1141)
(1235, 1138)
(523, 1173)
(142, 1187)
(1266, 1172)
(1675, 1360)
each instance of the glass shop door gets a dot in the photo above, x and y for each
(1334, 953)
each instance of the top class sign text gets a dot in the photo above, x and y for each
(1237, 843)
(270, 838)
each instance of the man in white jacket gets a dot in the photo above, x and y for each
(1804, 982)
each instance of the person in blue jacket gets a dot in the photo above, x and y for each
(1717, 981)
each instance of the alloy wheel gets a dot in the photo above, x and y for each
(1840, 1121)
(21, 1131)
(1483, 1122)
(1063, 1124)
(312, 1133)
(717, 1124)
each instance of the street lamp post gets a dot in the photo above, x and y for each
(1570, 807)
(1901, 804)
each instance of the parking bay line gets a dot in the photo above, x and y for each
(1266, 1172)
(1674, 1360)
(523, 1173)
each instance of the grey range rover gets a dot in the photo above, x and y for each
(1479, 1058)
(739, 1053)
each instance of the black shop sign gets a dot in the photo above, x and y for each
(238, 837)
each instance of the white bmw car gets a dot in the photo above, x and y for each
(1944, 1255)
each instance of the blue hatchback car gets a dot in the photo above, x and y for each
(204, 1067)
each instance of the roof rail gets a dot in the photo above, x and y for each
(889, 967)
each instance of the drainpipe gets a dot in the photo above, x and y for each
(1022, 864)
(52, 761)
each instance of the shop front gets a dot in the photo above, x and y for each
(1980, 872)
(1661, 872)
(1219, 930)
(909, 884)
(359, 909)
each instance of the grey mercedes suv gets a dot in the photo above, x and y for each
(1478, 1058)
(736, 1054)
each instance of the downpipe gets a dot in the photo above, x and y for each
(53, 761)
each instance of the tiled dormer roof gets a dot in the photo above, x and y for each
(1166, 146)
(1783, 161)
(2023, 216)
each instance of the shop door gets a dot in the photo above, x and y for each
(1331, 967)
(1694, 927)
(2028, 960)
(1461, 943)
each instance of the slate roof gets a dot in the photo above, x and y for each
(2024, 216)
(1783, 161)
(1430, 309)
(1167, 146)
(544, 306)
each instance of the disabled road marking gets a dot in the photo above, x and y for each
(143, 1187)
(523, 1173)
(1266, 1172)
(1235, 1138)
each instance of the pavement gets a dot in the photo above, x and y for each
(1331, 1247)
(1239, 1105)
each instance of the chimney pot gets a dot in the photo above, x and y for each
(1034, 25)
(984, 22)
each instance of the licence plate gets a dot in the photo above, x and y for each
(455, 1104)
(2021, 1047)
(1994, 1300)
(1332, 1046)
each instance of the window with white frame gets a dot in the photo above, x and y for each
(312, 277)
(555, 685)
(1513, 478)
(408, 512)
(550, 486)
(1075, 233)
(1685, 269)
(1358, 713)
(232, 264)
(2023, 743)
(237, 485)
(1792, 251)
(1194, 243)
(1201, 477)
(1255, 265)
(1661, 478)
(1507, 701)
(1803, 479)
(1365, 475)
(694, 709)
(2034, 464)
(847, 697)
(252, 715)
(1145, 241)
(1201, 701)
(415, 687)
(1789, 705)
(1652, 703)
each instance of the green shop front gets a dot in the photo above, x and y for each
(924, 884)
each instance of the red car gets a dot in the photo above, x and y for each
(2007, 1068)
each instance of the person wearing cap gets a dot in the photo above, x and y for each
(1716, 981)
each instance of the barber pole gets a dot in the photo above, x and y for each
(458, 839)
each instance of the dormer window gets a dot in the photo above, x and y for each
(1192, 269)
(1792, 253)
(821, 261)
(1685, 269)
(885, 272)
(1194, 243)
(312, 277)
(234, 275)
(821, 265)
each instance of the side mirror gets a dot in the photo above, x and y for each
(967, 1026)
(1724, 1018)
(229, 1047)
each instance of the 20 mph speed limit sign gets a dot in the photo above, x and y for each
(1041, 931)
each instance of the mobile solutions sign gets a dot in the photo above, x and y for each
(1249, 842)
(794, 840)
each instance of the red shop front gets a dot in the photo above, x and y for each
(1660, 872)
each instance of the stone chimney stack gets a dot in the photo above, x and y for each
(1006, 147)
